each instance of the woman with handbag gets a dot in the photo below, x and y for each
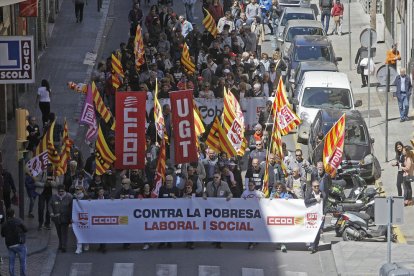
(408, 174)
(337, 14)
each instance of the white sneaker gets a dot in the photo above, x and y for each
(86, 247)
(146, 247)
(78, 251)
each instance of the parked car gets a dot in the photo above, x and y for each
(295, 3)
(358, 145)
(295, 81)
(309, 48)
(322, 90)
(299, 27)
(293, 13)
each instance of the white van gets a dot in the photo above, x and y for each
(321, 90)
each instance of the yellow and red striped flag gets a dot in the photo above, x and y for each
(100, 105)
(117, 72)
(213, 141)
(104, 156)
(265, 188)
(243, 147)
(160, 169)
(47, 144)
(276, 144)
(186, 60)
(65, 152)
(334, 146)
(210, 24)
(217, 139)
(139, 50)
(198, 124)
(288, 120)
(233, 120)
(158, 116)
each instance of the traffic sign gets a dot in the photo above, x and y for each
(364, 37)
(382, 74)
(17, 59)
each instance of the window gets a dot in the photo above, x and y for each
(326, 97)
(295, 16)
(294, 31)
(321, 53)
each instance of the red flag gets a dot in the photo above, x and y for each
(182, 117)
(130, 130)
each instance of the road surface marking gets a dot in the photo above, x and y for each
(80, 269)
(293, 273)
(166, 270)
(123, 269)
(252, 271)
(208, 270)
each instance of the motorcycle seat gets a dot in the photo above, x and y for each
(364, 216)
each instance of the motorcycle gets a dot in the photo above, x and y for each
(355, 201)
(357, 226)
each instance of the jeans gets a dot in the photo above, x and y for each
(325, 18)
(189, 12)
(400, 181)
(403, 100)
(20, 250)
(408, 193)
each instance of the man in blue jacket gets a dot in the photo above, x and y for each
(403, 85)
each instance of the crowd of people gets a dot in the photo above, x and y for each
(233, 59)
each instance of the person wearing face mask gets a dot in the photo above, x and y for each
(403, 85)
(60, 207)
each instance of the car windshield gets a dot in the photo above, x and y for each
(294, 16)
(355, 133)
(326, 97)
(321, 53)
(294, 31)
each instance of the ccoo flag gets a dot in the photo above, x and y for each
(334, 146)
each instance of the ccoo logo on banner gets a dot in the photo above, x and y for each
(130, 130)
(17, 59)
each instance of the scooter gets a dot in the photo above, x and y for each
(355, 201)
(357, 226)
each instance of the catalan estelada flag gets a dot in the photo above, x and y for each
(288, 120)
(160, 169)
(100, 105)
(65, 152)
(210, 24)
(334, 146)
(186, 60)
(117, 71)
(104, 156)
(139, 50)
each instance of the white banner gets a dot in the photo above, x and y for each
(209, 108)
(196, 219)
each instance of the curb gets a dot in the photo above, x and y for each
(400, 235)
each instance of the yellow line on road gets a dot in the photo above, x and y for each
(397, 230)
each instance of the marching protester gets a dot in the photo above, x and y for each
(60, 207)
(312, 197)
(279, 191)
(14, 232)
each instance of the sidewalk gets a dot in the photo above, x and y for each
(64, 60)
